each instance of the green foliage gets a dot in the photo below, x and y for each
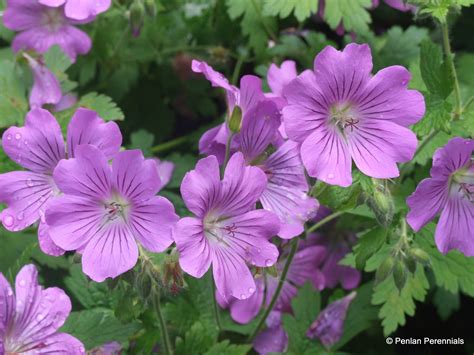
(446, 303)
(96, 327)
(396, 305)
(254, 25)
(224, 347)
(143, 140)
(13, 102)
(103, 105)
(283, 8)
(368, 244)
(353, 14)
(197, 340)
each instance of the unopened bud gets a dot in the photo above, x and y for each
(235, 121)
(410, 263)
(173, 278)
(399, 275)
(137, 15)
(381, 203)
(385, 269)
(419, 255)
(272, 271)
(150, 8)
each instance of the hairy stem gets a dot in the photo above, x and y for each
(164, 330)
(227, 152)
(449, 58)
(170, 144)
(324, 221)
(281, 282)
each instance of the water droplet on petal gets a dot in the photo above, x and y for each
(39, 317)
(9, 137)
(22, 283)
(243, 297)
(29, 183)
(9, 293)
(20, 216)
(251, 290)
(18, 136)
(330, 176)
(268, 262)
(8, 221)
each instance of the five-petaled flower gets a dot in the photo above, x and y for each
(107, 209)
(450, 190)
(340, 113)
(227, 231)
(79, 9)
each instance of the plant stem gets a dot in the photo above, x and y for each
(276, 295)
(164, 330)
(467, 104)
(227, 152)
(170, 144)
(324, 221)
(238, 66)
(214, 301)
(449, 59)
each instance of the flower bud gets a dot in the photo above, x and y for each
(173, 278)
(150, 8)
(137, 15)
(381, 203)
(235, 121)
(410, 263)
(419, 255)
(399, 275)
(385, 269)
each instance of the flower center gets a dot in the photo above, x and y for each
(344, 117)
(217, 232)
(463, 183)
(115, 208)
(53, 19)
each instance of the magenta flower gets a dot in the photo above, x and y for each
(112, 348)
(279, 77)
(38, 147)
(106, 210)
(227, 232)
(449, 191)
(303, 268)
(42, 27)
(274, 339)
(67, 101)
(335, 249)
(341, 113)
(30, 318)
(329, 325)
(396, 4)
(46, 88)
(79, 9)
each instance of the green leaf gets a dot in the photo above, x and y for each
(368, 244)
(353, 14)
(446, 303)
(436, 73)
(360, 316)
(143, 140)
(336, 197)
(97, 327)
(183, 164)
(103, 105)
(13, 101)
(306, 306)
(90, 294)
(254, 25)
(197, 340)
(437, 117)
(453, 271)
(56, 60)
(283, 8)
(224, 347)
(396, 305)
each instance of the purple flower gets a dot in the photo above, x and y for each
(227, 232)
(106, 210)
(67, 101)
(329, 325)
(165, 171)
(30, 318)
(279, 77)
(42, 27)
(46, 88)
(112, 348)
(303, 268)
(396, 4)
(334, 250)
(38, 147)
(449, 191)
(79, 9)
(341, 113)
(274, 339)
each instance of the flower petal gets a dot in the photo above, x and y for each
(278, 78)
(200, 188)
(456, 154)
(425, 203)
(81, 10)
(7, 304)
(21, 15)
(271, 340)
(46, 88)
(62, 344)
(455, 228)
(386, 97)
(38, 146)
(110, 252)
(86, 127)
(152, 222)
(165, 171)
(250, 92)
(243, 311)
(326, 157)
(195, 253)
(26, 195)
(376, 146)
(134, 177)
(46, 243)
